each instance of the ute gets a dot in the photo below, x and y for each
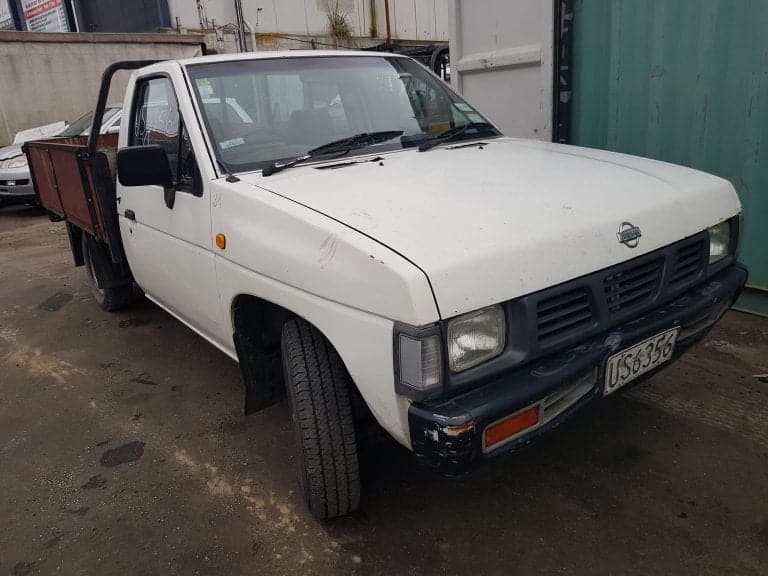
(359, 237)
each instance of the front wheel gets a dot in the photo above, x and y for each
(319, 394)
(110, 298)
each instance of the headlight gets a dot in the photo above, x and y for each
(419, 362)
(719, 242)
(475, 338)
(16, 162)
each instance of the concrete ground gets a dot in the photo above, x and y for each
(123, 450)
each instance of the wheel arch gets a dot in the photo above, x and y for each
(257, 326)
(363, 341)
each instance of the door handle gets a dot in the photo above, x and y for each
(130, 214)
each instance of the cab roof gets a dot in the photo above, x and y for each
(280, 54)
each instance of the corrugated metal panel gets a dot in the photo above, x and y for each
(403, 19)
(416, 19)
(685, 82)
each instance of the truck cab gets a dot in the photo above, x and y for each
(361, 239)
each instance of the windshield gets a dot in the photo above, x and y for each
(261, 111)
(82, 126)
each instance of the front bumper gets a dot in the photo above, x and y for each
(447, 435)
(16, 186)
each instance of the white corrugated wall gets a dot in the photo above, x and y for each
(424, 20)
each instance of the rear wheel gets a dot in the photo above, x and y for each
(319, 393)
(109, 298)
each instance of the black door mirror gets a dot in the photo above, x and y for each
(146, 166)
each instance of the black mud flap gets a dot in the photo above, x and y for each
(75, 236)
(262, 374)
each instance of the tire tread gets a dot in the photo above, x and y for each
(319, 391)
(112, 299)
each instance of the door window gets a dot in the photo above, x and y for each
(156, 120)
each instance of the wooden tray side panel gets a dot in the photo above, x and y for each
(71, 191)
(41, 167)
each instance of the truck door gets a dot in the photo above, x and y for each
(168, 243)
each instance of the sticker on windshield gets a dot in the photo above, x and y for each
(463, 107)
(436, 128)
(227, 144)
(205, 87)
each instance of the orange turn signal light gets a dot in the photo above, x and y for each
(221, 241)
(511, 426)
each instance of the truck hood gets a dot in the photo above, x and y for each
(490, 223)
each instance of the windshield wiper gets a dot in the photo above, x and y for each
(454, 132)
(339, 147)
(356, 141)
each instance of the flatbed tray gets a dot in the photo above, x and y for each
(79, 187)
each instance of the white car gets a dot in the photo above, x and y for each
(358, 235)
(15, 183)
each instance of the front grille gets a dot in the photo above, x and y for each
(571, 311)
(563, 313)
(630, 287)
(687, 264)
(15, 182)
(547, 327)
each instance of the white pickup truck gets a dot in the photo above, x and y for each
(355, 234)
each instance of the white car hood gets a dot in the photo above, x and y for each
(39, 132)
(515, 216)
(8, 152)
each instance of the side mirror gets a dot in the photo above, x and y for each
(146, 166)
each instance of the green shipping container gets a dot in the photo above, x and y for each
(683, 81)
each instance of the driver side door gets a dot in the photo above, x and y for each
(167, 232)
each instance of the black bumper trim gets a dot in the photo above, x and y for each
(447, 434)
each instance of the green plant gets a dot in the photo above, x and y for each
(338, 21)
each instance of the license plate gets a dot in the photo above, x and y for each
(635, 361)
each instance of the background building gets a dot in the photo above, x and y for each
(264, 23)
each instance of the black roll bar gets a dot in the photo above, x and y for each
(101, 105)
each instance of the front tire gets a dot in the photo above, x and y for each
(111, 298)
(319, 394)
